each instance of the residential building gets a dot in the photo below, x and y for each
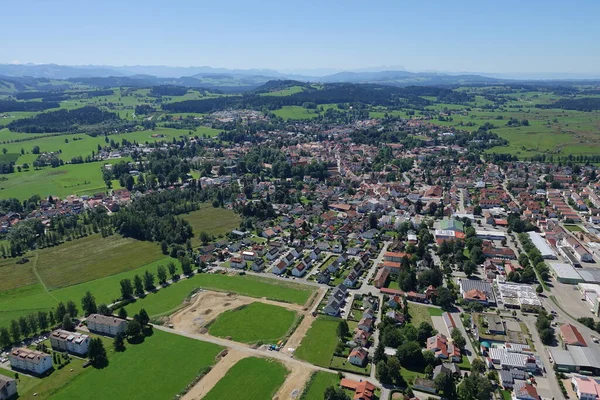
(72, 342)
(108, 325)
(35, 362)
(237, 262)
(358, 357)
(442, 348)
(364, 390)
(525, 391)
(8, 387)
(585, 387)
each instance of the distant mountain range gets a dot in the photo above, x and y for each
(236, 80)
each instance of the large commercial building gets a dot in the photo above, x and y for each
(577, 359)
(565, 273)
(28, 360)
(72, 342)
(542, 245)
(515, 295)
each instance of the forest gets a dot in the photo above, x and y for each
(375, 95)
(14, 106)
(63, 120)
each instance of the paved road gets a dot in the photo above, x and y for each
(472, 354)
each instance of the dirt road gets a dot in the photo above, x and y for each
(216, 373)
(294, 383)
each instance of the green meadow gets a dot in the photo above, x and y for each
(256, 322)
(169, 299)
(250, 379)
(320, 342)
(158, 368)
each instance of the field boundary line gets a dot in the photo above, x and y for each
(39, 278)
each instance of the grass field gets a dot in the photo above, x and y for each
(418, 313)
(24, 300)
(78, 261)
(173, 360)
(285, 92)
(57, 182)
(250, 379)
(169, 299)
(319, 381)
(253, 323)
(214, 221)
(320, 341)
(295, 112)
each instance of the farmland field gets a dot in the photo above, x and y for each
(253, 323)
(58, 182)
(32, 298)
(294, 112)
(320, 341)
(318, 383)
(250, 379)
(168, 300)
(129, 372)
(78, 261)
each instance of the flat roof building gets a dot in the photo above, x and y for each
(577, 359)
(565, 273)
(542, 245)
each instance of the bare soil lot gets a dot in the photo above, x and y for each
(208, 305)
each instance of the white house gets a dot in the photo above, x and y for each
(33, 361)
(72, 342)
(358, 357)
(106, 324)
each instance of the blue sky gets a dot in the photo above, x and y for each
(459, 35)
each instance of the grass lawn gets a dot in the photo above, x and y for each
(435, 312)
(132, 374)
(574, 228)
(464, 363)
(169, 299)
(410, 375)
(320, 341)
(214, 221)
(317, 384)
(253, 323)
(506, 395)
(393, 285)
(249, 379)
(418, 313)
(342, 363)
